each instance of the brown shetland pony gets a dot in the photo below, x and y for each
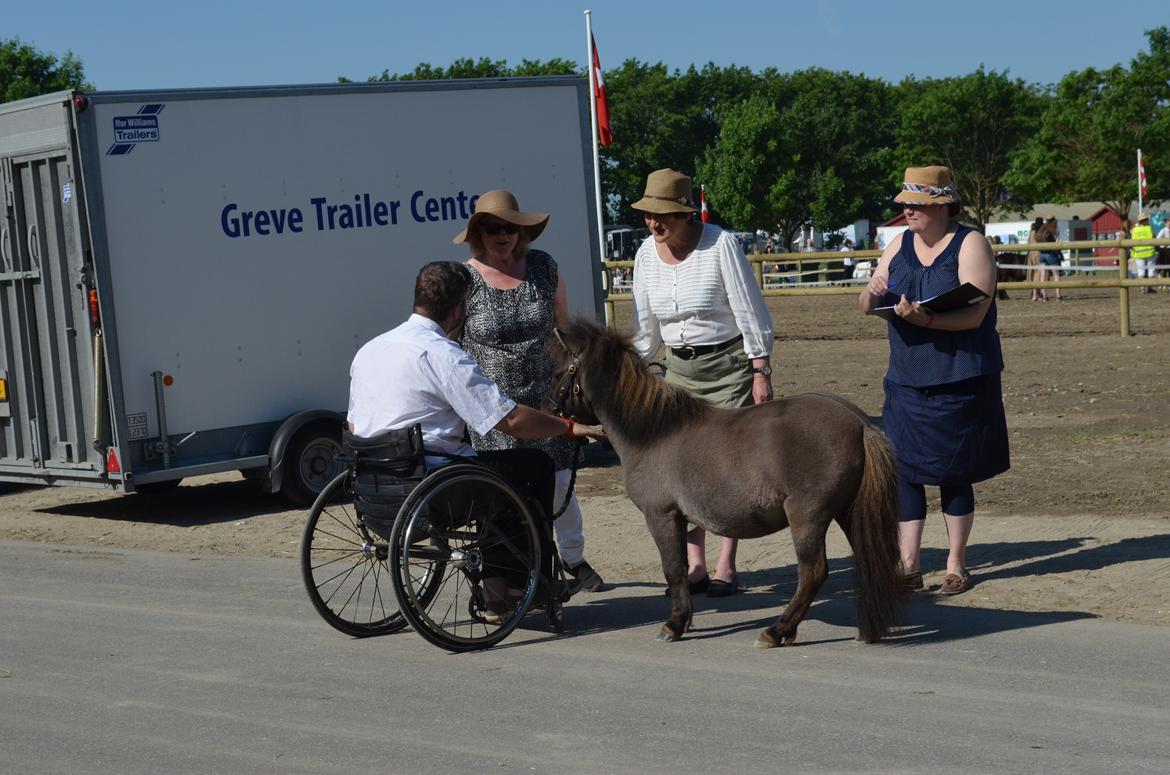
(799, 462)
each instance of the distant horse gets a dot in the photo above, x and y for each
(1005, 275)
(798, 462)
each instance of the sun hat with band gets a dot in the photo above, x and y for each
(928, 186)
(667, 191)
(503, 205)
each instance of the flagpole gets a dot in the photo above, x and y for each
(1139, 212)
(593, 136)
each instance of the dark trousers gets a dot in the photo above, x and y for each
(531, 473)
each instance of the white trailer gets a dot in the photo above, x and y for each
(186, 275)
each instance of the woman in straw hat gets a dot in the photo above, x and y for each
(516, 297)
(694, 291)
(943, 410)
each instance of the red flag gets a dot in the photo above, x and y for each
(1142, 176)
(703, 214)
(604, 133)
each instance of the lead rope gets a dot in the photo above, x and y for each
(572, 479)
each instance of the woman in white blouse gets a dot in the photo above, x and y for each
(695, 293)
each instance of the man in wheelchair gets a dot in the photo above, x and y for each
(417, 374)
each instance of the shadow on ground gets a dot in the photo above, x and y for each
(928, 618)
(186, 506)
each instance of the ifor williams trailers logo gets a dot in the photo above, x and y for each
(142, 127)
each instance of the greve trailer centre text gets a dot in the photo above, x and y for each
(325, 215)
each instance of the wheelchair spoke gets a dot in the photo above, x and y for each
(460, 530)
(344, 570)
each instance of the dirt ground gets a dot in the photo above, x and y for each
(1079, 526)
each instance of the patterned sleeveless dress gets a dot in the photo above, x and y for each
(505, 332)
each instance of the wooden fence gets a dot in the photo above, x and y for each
(828, 263)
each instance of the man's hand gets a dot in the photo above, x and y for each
(582, 431)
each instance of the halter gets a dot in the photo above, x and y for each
(569, 384)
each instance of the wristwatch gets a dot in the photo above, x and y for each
(766, 370)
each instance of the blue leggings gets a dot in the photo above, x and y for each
(956, 500)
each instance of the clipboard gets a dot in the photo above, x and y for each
(956, 298)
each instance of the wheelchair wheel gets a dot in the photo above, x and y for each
(344, 566)
(465, 558)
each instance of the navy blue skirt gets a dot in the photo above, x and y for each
(950, 435)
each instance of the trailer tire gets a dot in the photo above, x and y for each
(311, 462)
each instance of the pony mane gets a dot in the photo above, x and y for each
(639, 406)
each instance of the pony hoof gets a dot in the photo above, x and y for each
(766, 641)
(667, 635)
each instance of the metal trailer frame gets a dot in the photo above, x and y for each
(63, 418)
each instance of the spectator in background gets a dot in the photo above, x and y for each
(1125, 229)
(1143, 255)
(1033, 260)
(1049, 260)
(849, 264)
(1164, 250)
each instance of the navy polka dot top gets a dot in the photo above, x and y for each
(920, 356)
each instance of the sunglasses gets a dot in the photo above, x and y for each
(493, 229)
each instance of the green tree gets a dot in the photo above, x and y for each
(975, 124)
(26, 72)
(745, 170)
(1089, 134)
(479, 68)
(810, 148)
(663, 119)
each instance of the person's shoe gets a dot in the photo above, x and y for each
(497, 612)
(696, 587)
(720, 588)
(572, 586)
(590, 579)
(955, 585)
(910, 582)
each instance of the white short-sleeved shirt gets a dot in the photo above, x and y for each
(415, 374)
(709, 298)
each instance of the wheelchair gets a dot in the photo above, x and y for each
(455, 551)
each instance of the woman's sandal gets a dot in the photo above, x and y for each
(720, 588)
(910, 582)
(954, 585)
(697, 587)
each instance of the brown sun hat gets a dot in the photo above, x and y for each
(667, 191)
(928, 186)
(503, 205)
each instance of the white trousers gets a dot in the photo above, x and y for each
(1145, 266)
(568, 527)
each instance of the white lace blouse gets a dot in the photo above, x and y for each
(709, 298)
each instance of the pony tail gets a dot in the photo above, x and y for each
(874, 528)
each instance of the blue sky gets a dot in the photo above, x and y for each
(131, 44)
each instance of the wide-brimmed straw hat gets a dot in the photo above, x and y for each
(928, 186)
(1143, 217)
(503, 205)
(667, 191)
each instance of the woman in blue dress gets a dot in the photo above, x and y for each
(943, 410)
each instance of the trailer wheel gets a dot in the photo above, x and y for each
(311, 462)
